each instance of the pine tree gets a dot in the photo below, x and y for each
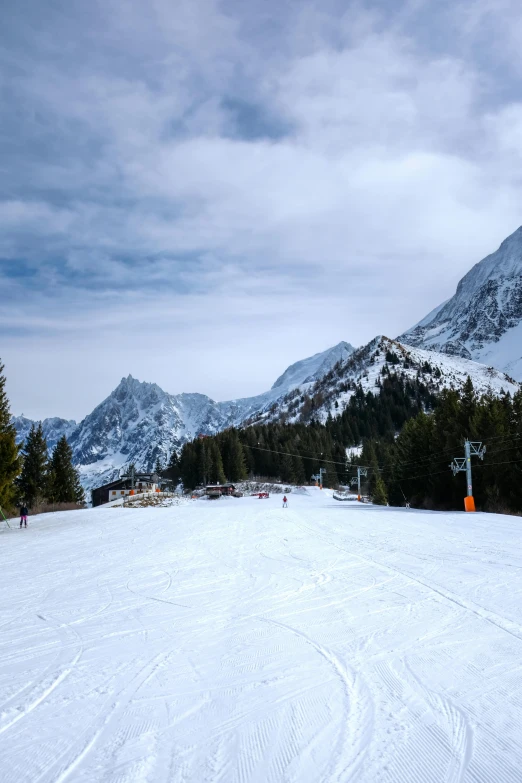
(468, 406)
(414, 449)
(217, 474)
(238, 470)
(78, 489)
(188, 466)
(286, 469)
(298, 471)
(377, 487)
(232, 455)
(9, 458)
(204, 462)
(131, 469)
(379, 495)
(158, 467)
(33, 482)
(64, 480)
(173, 468)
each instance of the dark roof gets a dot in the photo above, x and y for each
(111, 485)
(124, 480)
(141, 477)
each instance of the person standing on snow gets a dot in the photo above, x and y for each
(285, 502)
(24, 512)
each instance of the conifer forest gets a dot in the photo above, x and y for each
(407, 436)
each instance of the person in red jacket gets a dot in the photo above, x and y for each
(285, 502)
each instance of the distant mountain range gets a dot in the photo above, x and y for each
(53, 428)
(483, 320)
(139, 422)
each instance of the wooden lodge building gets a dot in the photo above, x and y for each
(125, 485)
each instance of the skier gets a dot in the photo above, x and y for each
(285, 502)
(24, 512)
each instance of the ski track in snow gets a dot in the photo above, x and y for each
(235, 641)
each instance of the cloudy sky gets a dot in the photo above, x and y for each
(200, 192)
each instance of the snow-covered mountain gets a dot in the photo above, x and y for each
(53, 428)
(483, 320)
(300, 375)
(139, 422)
(312, 369)
(365, 366)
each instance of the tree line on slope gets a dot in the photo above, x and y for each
(409, 437)
(293, 452)
(415, 467)
(27, 474)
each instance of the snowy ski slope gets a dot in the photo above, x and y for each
(239, 642)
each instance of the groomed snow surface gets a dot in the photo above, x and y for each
(239, 641)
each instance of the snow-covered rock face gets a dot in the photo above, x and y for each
(483, 320)
(315, 367)
(53, 428)
(140, 423)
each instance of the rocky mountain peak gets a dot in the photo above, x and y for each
(483, 320)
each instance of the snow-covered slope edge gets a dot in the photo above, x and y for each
(483, 320)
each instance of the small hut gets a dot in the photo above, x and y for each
(215, 491)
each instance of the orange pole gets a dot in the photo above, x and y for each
(469, 503)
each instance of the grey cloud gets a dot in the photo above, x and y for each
(166, 166)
